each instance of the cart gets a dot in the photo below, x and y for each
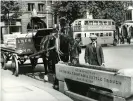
(26, 48)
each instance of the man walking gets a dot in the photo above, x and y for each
(94, 53)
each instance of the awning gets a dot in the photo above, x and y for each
(128, 23)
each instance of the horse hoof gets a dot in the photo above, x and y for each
(45, 78)
(56, 87)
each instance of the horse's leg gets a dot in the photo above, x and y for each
(33, 63)
(45, 63)
(56, 85)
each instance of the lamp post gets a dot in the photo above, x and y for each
(7, 10)
(47, 13)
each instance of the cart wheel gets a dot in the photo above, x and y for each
(3, 61)
(15, 66)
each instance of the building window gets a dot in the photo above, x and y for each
(40, 7)
(129, 15)
(31, 6)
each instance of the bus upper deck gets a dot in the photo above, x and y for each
(93, 24)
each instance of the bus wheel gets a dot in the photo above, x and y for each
(115, 42)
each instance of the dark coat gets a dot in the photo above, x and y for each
(88, 54)
(75, 50)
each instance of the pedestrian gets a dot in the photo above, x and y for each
(128, 39)
(94, 53)
(123, 41)
(120, 39)
(75, 50)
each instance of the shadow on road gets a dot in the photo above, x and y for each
(37, 73)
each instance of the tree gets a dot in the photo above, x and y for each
(10, 11)
(73, 10)
(109, 10)
(8, 7)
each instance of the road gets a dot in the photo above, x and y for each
(116, 56)
(119, 57)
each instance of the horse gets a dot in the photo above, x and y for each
(60, 52)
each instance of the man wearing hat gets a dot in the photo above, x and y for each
(94, 53)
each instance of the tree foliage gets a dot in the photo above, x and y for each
(100, 10)
(8, 7)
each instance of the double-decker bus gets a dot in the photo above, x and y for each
(104, 29)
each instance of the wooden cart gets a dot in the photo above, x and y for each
(26, 48)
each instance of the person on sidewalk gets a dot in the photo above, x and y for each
(128, 39)
(94, 53)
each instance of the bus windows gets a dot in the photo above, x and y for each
(95, 22)
(76, 23)
(100, 23)
(105, 22)
(113, 23)
(90, 22)
(79, 23)
(85, 34)
(101, 34)
(86, 23)
(106, 34)
(109, 22)
(91, 33)
(110, 34)
(78, 35)
(97, 34)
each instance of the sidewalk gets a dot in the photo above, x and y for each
(24, 88)
(126, 43)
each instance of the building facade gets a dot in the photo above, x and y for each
(127, 25)
(29, 8)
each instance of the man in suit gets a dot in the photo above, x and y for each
(94, 53)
